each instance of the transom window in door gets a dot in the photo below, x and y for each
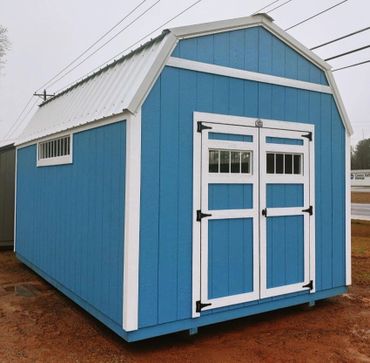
(229, 161)
(284, 163)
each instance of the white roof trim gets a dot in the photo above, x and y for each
(124, 85)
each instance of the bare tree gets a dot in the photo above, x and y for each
(4, 43)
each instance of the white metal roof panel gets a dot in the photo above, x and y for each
(111, 91)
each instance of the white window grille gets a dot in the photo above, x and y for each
(55, 151)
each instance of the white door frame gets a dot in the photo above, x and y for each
(197, 162)
(306, 180)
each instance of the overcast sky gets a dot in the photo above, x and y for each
(47, 34)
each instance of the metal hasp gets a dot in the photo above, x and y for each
(309, 285)
(201, 127)
(199, 306)
(264, 212)
(201, 215)
(308, 210)
(308, 136)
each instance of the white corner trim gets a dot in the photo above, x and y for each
(339, 102)
(348, 210)
(132, 223)
(247, 75)
(15, 200)
(153, 72)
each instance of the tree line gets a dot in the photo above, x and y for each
(360, 155)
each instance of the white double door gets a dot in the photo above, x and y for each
(254, 216)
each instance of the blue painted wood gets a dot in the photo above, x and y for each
(284, 245)
(253, 49)
(230, 137)
(283, 141)
(70, 217)
(230, 196)
(284, 195)
(230, 240)
(204, 93)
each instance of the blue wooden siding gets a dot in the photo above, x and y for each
(284, 195)
(283, 141)
(285, 250)
(230, 137)
(253, 49)
(70, 218)
(166, 184)
(230, 196)
(230, 262)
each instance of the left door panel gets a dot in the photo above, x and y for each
(229, 215)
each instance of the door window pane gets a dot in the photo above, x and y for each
(224, 161)
(297, 164)
(213, 161)
(288, 164)
(270, 164)
(246, 156)
(235, 161)
(279, 163)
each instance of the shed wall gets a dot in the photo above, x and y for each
(70, 218)
(165, 287)
(7, 176)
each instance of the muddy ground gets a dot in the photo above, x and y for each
(360, 197)
(38, 324)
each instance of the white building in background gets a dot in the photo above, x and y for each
(360, 178)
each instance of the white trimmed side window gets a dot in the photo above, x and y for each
(56, 151)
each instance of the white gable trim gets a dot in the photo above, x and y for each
(248, 75)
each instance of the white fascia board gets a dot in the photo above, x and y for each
(62, 131)
(132, 224)
(168, 44)
(248, 75)
(339, 102)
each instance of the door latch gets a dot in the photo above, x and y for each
(264, 212)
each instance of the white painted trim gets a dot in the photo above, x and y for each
(15, 199)
(246, 75)
(168, 45)
(87, 126)
(312, 201)
(196, 276)
(339, 102)
(249, 121)
(59, 160)
(132, 223)
(348, 210)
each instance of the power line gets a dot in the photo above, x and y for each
(340, 38)
(314, 16)
(134, 44)
(351, 65)
(18, 118)
(104, 44)
(265, 7)
(92, 45)
(279, 6)
(346, 53)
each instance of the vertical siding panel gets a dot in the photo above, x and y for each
(326, 192)
(265, 100)
(251, 49)
(168, 207)
(149, 208)
(221, 52)
(236, 97)
(291, 60)
(265, 51)
(338, 190)
(278, 102)
(291, 104)
(205, 49)
(187, 103)
(237, 49)
(251, 98)
(278, 58)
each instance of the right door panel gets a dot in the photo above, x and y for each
(285, 209)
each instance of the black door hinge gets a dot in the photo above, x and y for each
(308, 210)
(308, 136)
(201, 127)
(264, 212)
(201, 215)
(199, 306)
(309, 285)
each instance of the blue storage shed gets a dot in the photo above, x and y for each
(201, 178)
